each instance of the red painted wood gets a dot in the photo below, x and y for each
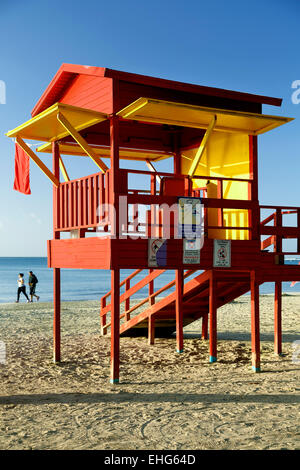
(90, 92)
(255, 336)
(179, 309)
(151, 290)
(68, 74)
(212, 318)
(103, 317)
(56, 272)
(204, 334)
(183, 93)
(151, 329)
(127, 301)
(115, 326)
(277, 318)
(85, 253)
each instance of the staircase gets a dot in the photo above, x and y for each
(135, 318)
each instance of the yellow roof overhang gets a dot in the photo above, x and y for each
(180, 114)
(104, 152)
(46, 127)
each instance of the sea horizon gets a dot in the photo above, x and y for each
(84, 284)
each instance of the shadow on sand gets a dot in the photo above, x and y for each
(124, 397)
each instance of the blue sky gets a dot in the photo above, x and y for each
(251, 46)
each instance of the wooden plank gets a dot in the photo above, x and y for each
(151, 329)
(255, 334)
(212, 318)
(179, 310)
(277, 318)
(115, 327)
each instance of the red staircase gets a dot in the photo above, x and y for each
(195, 302)
(195, 299)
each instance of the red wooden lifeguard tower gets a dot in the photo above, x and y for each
(211, 135)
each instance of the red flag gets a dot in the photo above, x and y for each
(22, 182)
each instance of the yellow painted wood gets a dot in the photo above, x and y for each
(226, 155)
(180, 114)
(38, 162)
(202, 146)
(104, 152)
(63, 169)
(80, 140)
(152, 168)
(46, 127)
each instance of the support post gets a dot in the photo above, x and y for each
(115, 327)
(212, 318)
(255, 337)
(204, 334)
(114, 185)
(277, 318)
(56, 271)
(151, 329)
(56, 315)
(179, 310)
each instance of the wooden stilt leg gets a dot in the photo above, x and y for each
(151, 329)
(56, 316)
(204, 327)
(212, 320)
(179, 310)
(277, 318)
(115, 326)
(255, 337)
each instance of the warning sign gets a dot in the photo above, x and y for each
(191, 251)
(190, 218)
(157, 252)
(222, 253)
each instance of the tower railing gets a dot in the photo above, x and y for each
(274, 229)
(82, 204)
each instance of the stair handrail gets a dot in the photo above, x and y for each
(128, 278)
(146, 299)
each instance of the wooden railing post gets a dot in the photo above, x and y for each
(278, 238)
(127, 301)
(103, 317)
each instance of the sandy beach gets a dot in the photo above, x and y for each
(165, 400)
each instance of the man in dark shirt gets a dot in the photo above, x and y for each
(32, 281)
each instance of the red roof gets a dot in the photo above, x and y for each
(67, 73)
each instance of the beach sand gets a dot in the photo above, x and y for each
(165, 400)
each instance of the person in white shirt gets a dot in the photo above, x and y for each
(21, 288)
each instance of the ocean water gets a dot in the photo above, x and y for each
(77, 284)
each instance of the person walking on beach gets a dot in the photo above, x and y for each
(21, 288)
(32, 281)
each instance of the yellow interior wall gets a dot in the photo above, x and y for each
(226, 155)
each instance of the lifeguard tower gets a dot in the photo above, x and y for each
(211, 136)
